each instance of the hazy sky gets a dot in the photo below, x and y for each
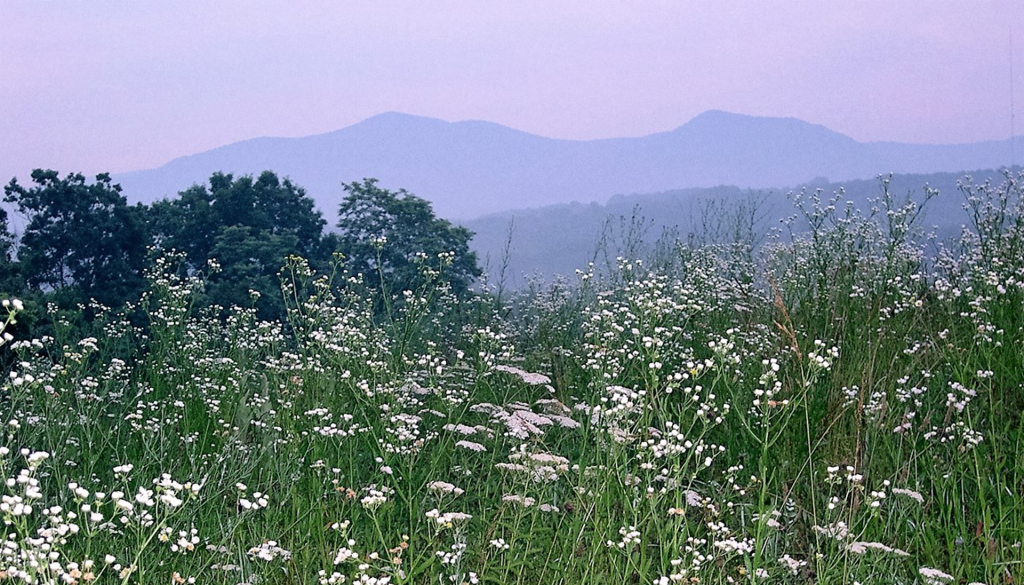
(92, 85)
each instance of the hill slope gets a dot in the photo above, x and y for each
(558, 239)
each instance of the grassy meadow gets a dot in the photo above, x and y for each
(838, 405)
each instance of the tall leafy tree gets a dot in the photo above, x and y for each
(249, 226)
(382, 232)
(269, 205)
(82, 239)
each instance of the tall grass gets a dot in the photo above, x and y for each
(839, 405)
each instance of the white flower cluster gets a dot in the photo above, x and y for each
(269, 550)
(447, 519)
(629, 537)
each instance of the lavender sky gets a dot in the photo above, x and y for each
(94, 85)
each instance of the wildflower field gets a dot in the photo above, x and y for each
(841, 405)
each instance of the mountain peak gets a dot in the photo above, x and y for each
(722, 117)
(722, 123)
(398, 119)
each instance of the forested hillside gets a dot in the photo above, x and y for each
(558, 239)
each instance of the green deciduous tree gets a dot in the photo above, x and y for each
(381, 233)
(249, 226)
(82, 240)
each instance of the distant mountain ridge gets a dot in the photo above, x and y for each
(472, 168)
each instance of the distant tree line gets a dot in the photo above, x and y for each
(82, 241)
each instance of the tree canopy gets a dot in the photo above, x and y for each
(81, 237)
(249, 226)
(83, 241)
(386, 234)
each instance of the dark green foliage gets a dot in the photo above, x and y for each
(386, 234)
(82, 240)
(249, 226)
(250, 260)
